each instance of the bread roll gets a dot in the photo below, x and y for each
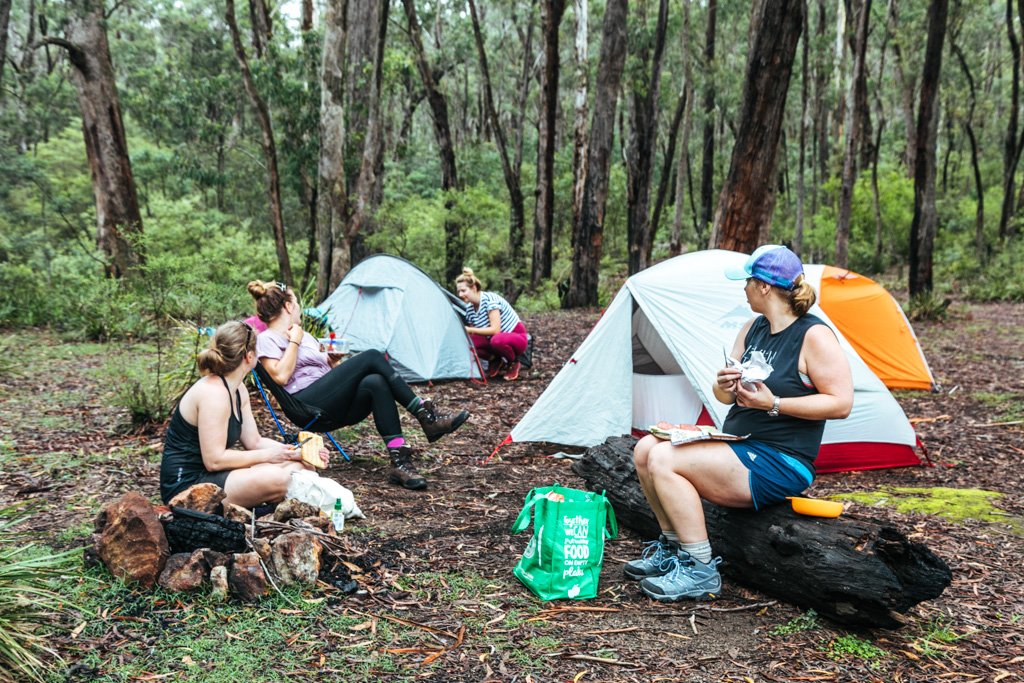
(311, 449)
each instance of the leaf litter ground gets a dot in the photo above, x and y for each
(436, 599)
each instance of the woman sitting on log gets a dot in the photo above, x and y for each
(784, 415)
(347, 391)
(213, 416)
(493, 325)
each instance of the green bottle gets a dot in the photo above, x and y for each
(338, 517)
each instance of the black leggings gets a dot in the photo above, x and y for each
(364, 384)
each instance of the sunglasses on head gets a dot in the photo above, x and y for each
(248, 334)
(282, 286)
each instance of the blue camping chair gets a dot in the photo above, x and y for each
(311, 417)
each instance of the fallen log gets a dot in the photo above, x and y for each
(855, 571)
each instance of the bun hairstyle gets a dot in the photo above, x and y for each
(801, 297)
(227, 348)
(270, 298)
(472, 280)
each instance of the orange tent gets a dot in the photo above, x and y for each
(874, 324)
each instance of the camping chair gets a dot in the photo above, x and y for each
(295, 410)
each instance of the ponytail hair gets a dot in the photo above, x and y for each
(270, 298)
(227, 349)
(801, 297)
(471, 280)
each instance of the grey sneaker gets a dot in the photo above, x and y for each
(686, 578)
(654, 561)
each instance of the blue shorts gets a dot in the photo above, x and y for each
(773, 474)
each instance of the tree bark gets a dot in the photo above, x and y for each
(588, 228)
(922, 229)
(1011, 150)
(820, 146)
(855, 571)
(640, 155)
(267, 142)
(454, 250)
(683, 178)
(744, 212)
(262, 27)
(980, 247)
(707, 176)
(117, 206)
(856, 104)
(906, 88)
(544, 208)
(5, 20)
(666, 169)
(801, 185)
(581, 78)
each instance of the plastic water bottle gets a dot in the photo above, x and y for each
(337, 516)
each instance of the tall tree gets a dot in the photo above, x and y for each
(683, 166)
(1011, 144)
(980, 247)
(744, 212)
(801, 184)
(266, 141)
(544, 209)
(588, 226)
(581, 79)
(117, 204)
(454, 250)
(707, 176)
(856, 104)
(643, 133)
(5, 20)
(923, 227)
(906, 84)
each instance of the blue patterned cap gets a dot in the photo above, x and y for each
(771, 263)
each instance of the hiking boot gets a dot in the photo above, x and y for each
(435, 424)
(653, 562)
(687, 577)
(403, 472)
(512, 373)
(495, 367)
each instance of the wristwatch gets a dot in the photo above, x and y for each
(774, 412)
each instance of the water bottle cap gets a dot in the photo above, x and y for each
(337, 503)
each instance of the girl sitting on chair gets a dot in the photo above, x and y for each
(212, 417)
(348, 392)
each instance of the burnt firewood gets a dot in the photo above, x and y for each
(855, 571)
(190, 530)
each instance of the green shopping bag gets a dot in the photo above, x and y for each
(563, 558)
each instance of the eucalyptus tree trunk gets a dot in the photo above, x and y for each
(266, 141)
(117, 205)
(801, 185)
(922, 229)
(581, 78)
(856, 102)
(5, 20)
(588, 227)
(744, 212)
(544, 208)
(820, 147)
(640, 155)
(454, 250)
(906, 85)
(333, 199)
(980, 247)
(707, 177)
(666, 168)
(1011, 148)
(261, 25)
(683, 166)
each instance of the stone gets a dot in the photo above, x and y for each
(295, 558)
(184, 572)
(211, 558)
(219, 582)
(320, 523)
(262, 548)
(132, 544)
(246, 578)
(201, 498)
(237, 513)
(294, 509)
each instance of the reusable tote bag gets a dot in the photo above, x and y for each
(563, 558)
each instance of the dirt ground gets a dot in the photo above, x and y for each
(972, 430)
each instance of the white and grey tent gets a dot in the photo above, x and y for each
(653, 356)
(389, 304)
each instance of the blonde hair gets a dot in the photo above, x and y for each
(227, 348)
(801, 297)
(470, 279)
(270, 298)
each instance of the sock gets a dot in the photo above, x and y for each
(415, 405)
(396, 442)
(701, 550)
(670, 536)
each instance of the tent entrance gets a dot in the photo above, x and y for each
(661, 390)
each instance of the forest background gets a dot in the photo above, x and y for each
(156, 155)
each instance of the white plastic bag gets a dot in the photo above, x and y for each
(310, 487)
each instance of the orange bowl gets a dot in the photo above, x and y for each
(815, 507)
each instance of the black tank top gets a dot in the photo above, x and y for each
(182, 464)
(792, 435)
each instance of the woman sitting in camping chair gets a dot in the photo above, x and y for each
(213, 416)
(810, 382)
(346, 391)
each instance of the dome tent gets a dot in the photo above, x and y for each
(653, 356)
(389, 304)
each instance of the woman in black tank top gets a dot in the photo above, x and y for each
(784, 416)
(212, 417)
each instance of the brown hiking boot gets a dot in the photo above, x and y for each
(435, 424)
(403, 472)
